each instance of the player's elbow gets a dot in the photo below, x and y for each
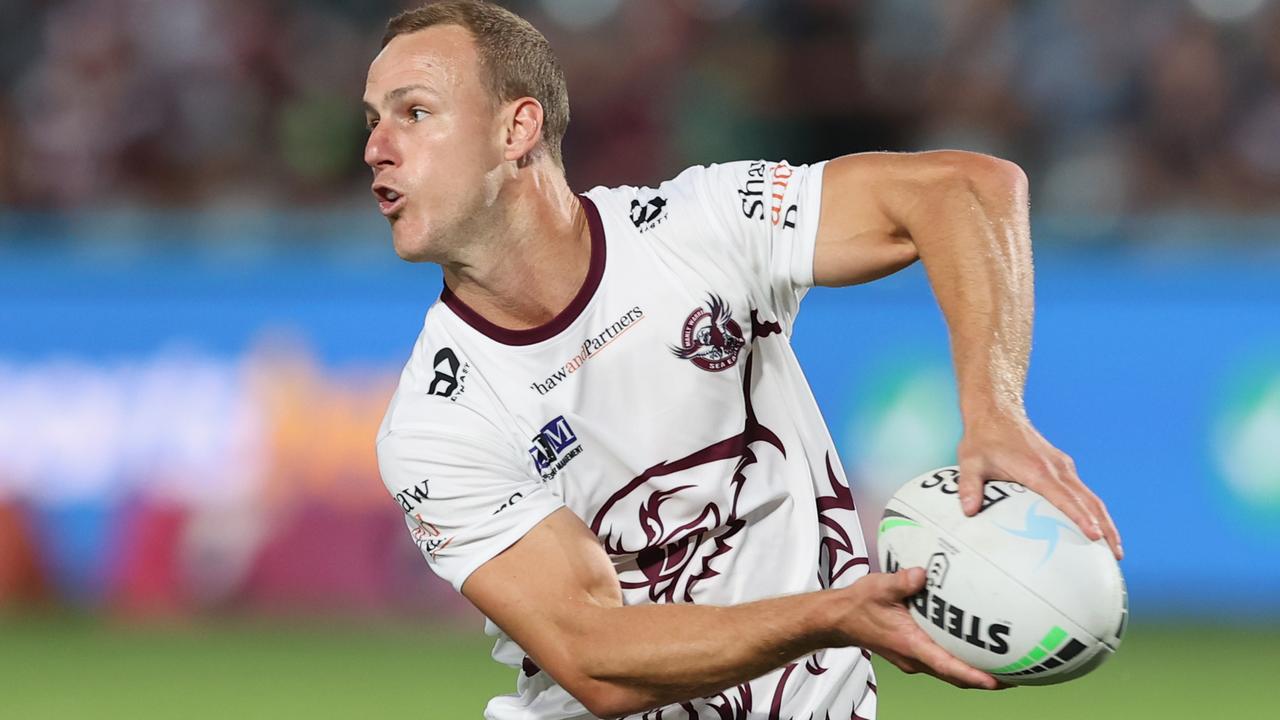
(604, 699)
(974, 174)
(587, 669)
(602, 687)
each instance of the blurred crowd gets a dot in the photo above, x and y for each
(1112, 107)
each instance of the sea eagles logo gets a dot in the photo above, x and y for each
(711, 338)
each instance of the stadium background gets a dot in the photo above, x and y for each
(201, 321)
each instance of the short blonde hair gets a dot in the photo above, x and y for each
(516, 59)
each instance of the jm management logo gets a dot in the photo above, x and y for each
(589, 348)
(553, 447)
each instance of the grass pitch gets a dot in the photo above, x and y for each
(59, 667)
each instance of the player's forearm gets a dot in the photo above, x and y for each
(630, 659)
(973, 237)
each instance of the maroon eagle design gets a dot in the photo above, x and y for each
(676, 556)
(678, 551)
(711, 338)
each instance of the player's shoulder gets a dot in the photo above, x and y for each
(697, 197)
(439, 392)
(738, 193)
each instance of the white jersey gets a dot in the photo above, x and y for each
(666, 409)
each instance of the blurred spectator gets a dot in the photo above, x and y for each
(1151, 105)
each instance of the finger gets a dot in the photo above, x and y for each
(945, 666)
(909, 667)
(905, 583)
(1070, 477)
(971, 482)
(1063, 497)
(1109, 529)
(1112, 532)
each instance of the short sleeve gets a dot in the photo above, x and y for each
(768, 213)
(464, 500)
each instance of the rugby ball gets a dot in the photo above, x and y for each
(1017, 590)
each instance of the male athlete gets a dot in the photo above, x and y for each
(602, 437)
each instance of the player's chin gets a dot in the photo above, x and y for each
(410, 242)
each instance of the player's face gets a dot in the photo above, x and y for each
(434, 145)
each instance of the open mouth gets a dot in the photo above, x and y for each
(390, 201)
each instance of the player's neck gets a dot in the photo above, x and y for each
(534, 258)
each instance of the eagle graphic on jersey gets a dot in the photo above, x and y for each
(711, 338)
(678, 552)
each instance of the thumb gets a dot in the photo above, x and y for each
(971, 482)
(906, 582)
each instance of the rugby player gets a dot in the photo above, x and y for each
(602, 437)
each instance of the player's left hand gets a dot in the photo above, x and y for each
(1009, 448)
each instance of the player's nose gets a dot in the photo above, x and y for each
(380, 149)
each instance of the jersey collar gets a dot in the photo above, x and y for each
(557, 324)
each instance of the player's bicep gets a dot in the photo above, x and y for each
(546, 591)
(861, 233)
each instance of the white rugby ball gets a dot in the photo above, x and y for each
(1017, 590)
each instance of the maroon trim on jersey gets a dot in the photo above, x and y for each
(557, 324)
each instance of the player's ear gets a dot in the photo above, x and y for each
(522, 129)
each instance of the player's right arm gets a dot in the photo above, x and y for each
(556, 594)
(489, 525)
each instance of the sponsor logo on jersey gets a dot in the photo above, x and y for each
(766, 186)
(428, 537)
(553, 447)
(711, 338)
(412, 496)
(589, 348)
(649, 214)
(451, 375)
(515, 498)
(970, 628)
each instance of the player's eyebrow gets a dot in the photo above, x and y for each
(393, 95)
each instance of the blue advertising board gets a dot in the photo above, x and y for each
(1161, 378)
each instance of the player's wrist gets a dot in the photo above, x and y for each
(991, 416)
(989, 407)
(834, 616)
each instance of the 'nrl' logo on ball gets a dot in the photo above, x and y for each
(711, 338)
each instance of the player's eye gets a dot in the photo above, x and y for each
(417, 114)
(369, 125)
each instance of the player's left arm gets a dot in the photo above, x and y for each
(965, 216)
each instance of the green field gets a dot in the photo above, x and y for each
(78, 668)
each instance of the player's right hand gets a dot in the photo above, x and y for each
(878, 620)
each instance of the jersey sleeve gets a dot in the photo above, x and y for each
(767, 214)
(464, 499)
